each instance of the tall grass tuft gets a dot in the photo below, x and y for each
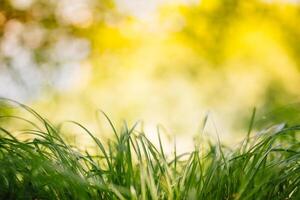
(263, 166)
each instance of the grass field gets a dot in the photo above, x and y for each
(265, 165)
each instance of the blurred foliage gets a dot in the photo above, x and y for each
(169, 65)
(42, 43)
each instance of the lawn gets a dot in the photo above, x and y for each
(265, 165)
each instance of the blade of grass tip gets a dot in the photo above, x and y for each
(145, 150)
(134, 127)
(100, 145)
(8, 133)
(154, 153)
(48, 126)
(93, 164)
(204, 122)
(53, 134)
(128, 141)
(111, 124)
(29, 109)
(250, 127)
(43, 135)
(129, 131)
(110, 151)
(251, 122)
(137, 148)
(160, 144)
(21, 119)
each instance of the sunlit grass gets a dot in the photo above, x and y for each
(266, 165)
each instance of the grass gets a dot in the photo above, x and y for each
(265, 165)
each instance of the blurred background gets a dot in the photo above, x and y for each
(166, 62)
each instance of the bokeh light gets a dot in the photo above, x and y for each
(162, 62)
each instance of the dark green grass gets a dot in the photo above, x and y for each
(265, 165)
